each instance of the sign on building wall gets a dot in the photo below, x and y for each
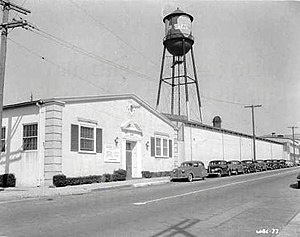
(112, 153)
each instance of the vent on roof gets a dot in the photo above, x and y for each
(217, 122)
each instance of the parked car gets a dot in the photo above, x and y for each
(218, 167)
(289, 163)
(189, 170)
(270, 165)
(249, 166)
(282, 163)
(276, 164)
(298, 180)
(235, 167)
(260, 165)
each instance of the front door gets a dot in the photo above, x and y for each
(129, 148)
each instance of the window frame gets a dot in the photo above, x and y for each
(30, 137)
(80, 150)
(161, 146)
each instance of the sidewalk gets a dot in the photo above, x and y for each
(15, 194)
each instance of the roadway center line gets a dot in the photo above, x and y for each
(204, 190)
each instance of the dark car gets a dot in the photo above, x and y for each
(298, 180)
(249, 166)
(282, 163)
(260, 165)
(235, 167)
(189, 170)
(218, 167)
(276, 164)
(270, 165)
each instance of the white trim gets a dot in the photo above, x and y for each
(93, 126)
(161, 147)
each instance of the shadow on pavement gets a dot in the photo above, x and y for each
(179, 229)
(294, 186)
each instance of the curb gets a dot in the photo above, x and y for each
(139, 185)
(61, 192)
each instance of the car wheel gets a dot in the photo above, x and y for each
(190, 177)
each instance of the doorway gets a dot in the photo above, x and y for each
(129, 153)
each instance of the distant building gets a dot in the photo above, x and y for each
(288, 146)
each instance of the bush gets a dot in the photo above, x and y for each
(119, 175)
(83, 180)
(7, 180)
(59, 180)
(106, 178)
(146, 174)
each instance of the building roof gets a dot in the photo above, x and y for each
(85, 99)
(191, 123)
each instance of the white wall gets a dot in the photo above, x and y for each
(110, 116)
(209, 144)
(25, 165)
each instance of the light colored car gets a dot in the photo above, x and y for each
(189, 170)
(289, 163)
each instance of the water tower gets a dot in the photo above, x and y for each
(178, 41)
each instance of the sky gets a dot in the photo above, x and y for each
(246, 52)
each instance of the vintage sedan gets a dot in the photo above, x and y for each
(249, 166)
(218, 167)
(270, 165)
(189, 170)
(282, 163)
(235, 167)
(260, 165)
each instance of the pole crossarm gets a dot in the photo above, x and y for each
(14, 7)
(14, 24)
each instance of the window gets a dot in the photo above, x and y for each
(157, 146)
(87, 138)
(161, 147)
(3, 139)
(30, 133)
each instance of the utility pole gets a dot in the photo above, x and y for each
(253, 127)
(293, 134)
(4, 26)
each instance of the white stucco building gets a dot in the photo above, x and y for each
(93, 135)
(83, 136)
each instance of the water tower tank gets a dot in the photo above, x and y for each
(178, 32)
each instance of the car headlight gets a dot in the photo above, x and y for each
(182, 171)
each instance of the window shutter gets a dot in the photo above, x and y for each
(152, 146)
(170, 148)
(74, 137)
(99, 140)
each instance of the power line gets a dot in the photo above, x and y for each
(57, 65)
(87, 53)
(109, 30)
(223, 101)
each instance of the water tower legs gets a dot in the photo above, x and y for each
(176, 79)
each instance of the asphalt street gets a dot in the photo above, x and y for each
(244, 205)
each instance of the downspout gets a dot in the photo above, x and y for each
(40, 147)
